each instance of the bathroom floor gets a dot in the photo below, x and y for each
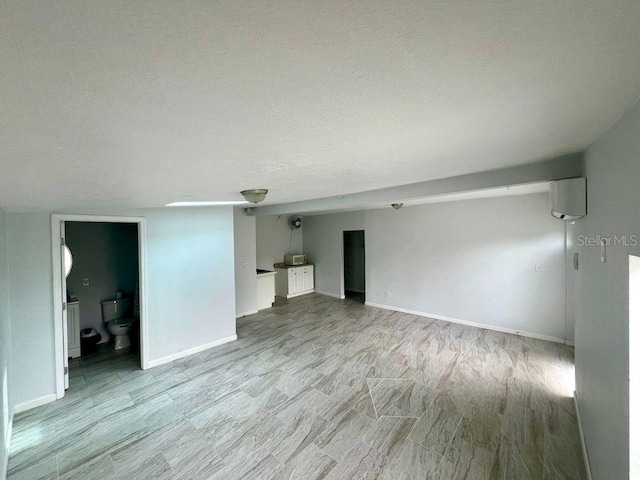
(316, 388)
(104, 353)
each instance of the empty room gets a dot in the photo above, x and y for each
(305, 240)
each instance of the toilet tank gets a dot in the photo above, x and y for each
(114, 309)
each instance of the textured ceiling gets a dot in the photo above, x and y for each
(138, 104)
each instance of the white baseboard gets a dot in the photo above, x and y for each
(191, 351)
(334, 295)
(512, 331)
(293, 295)
(583, 443)
(23, 407)
(244, 314)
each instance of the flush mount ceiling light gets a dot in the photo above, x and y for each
(255, 195)
(205, 204)
(397, 206)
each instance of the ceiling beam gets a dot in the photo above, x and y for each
(568, 166)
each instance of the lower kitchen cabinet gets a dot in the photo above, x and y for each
(294, 281)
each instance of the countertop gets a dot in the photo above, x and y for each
(264, 273)
(282, 266)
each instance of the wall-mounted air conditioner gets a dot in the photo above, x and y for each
(569, 198)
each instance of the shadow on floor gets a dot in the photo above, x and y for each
(356, 296)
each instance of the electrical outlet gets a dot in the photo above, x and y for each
(386, 294)
(85, 282)
(538, 267)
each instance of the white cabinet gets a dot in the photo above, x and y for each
(299, 281)
(292, 286)
(294, 281)
(73, 329)
(307, 278)
(266, 290)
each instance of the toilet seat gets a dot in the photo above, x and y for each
(121, 322)
(120, 326)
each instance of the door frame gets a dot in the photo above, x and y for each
(341, 266)
(59, 334)
(634, 373)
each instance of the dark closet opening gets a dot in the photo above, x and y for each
(354, 271)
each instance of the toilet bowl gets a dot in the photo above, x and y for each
(120, 329)
(115, 313)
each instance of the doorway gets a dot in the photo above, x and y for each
(98, 265)
(634, 365)
(354, 265)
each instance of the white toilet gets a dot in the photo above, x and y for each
(114, 314)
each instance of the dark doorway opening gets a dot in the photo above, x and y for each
(354, 270)
(102, 297)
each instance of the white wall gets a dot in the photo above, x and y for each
(469, 260)
(323, 246)
(31, 306)
(190, 289)
(602, 317)
(244, 239)
(190, 279)
(5, 349)
(272, 240)
(472, 261)
(106, 254)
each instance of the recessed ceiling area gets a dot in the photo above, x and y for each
(527, 189)
(129, 104)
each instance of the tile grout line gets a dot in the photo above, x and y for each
(452, 437)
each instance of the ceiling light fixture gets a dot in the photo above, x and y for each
(206, 204)
(255, 195)
(397, 206)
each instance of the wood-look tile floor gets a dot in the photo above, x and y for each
(316, 388)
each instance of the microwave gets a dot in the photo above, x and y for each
(295, 259)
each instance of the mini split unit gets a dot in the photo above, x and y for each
(569, 198)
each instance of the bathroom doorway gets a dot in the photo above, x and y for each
(634, 366)
(354, 265)
(99, 295)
